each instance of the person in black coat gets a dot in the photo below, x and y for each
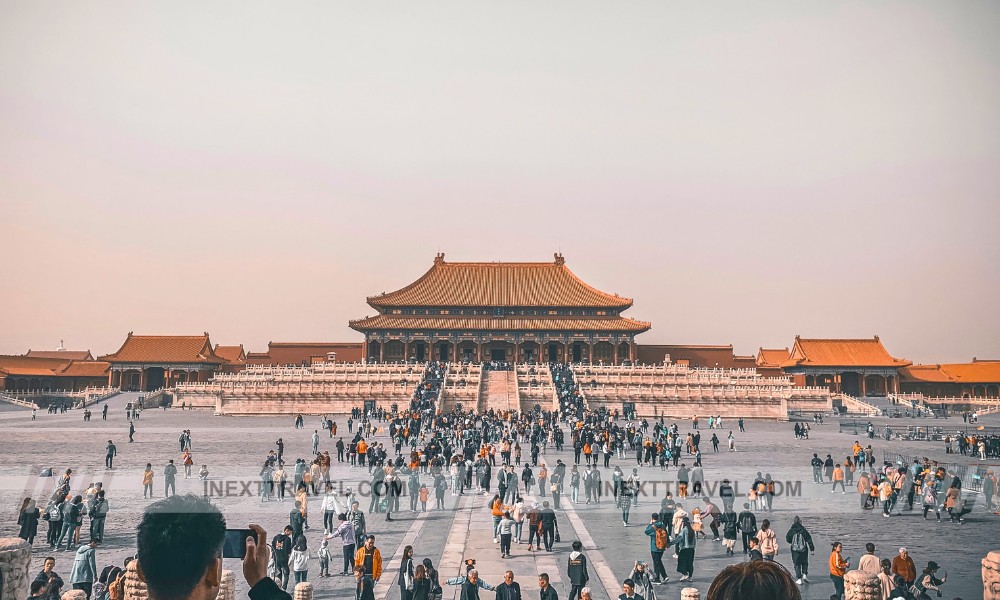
(509, 589)
(27, 518)
(365, 587)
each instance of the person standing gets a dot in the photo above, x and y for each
(545, 589)
(169, 473)
(800, 543)
(147, 481)
(109, 457)
(746, 521)
(84, 570)
(508, 590)
(729, 529)
(131, 432)
(98, 514)
(281, 551)
(369, 558)
(768, 540)
(405, 578)
(838, 567)
(869, 563)
(659, 540)
(299, 562)
(903, 566)
(547, 518)
(685, 545)
(577, 572)
(27, 518)
(345, 531)
(51, 580)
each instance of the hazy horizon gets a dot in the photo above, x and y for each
(745, 173)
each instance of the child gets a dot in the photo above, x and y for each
(324, 558)
(203, 473)
(424, 494)
(696, 523)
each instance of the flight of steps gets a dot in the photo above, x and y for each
(499, 391)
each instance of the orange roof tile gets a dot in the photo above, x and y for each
(382, 322)
(84, 368)
(63, 354)
(924, 374)
(974, 372)
(499, 285)
(295, 353)
(841, 353)
(30, 365)
(33, 366)
(232, 354)
(165, 349)
(771, 357)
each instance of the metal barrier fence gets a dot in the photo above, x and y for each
(971, 475)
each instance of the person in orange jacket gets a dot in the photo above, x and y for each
(369, 558)
(838, 567)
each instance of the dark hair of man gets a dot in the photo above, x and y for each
(36, 586)
(178, 540)
(755, 580)
(577, 546)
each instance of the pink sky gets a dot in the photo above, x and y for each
(745, 172)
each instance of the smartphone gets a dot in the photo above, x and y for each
(234, 544)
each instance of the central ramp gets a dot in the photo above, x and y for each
(499, 391)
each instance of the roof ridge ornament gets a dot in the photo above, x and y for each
(438, 259)
(559, 259)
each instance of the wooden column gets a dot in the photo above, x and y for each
(615, 354)
(863, 385)
(381, 351)
(406, 351)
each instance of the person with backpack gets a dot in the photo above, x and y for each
(98, 514)
(746, 522)
(576, 570)
(729, 522)
(659, 541)
(800, 543)
(768, 540)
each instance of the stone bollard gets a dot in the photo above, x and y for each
(74, 595)
(690, 594)
(15, 560)
(227, 587)
(859, 585)
(303, 591)
(991, 576)
(135, 589)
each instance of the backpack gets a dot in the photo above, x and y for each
(660, 538)
(747, 523)
(116, 589)
(798, 542)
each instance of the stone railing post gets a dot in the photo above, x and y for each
(991, 576)
(15, 559)
(303, 591)
(859, 585)
(227, 587)
(690, 594)
(135, 589)
(74, 595)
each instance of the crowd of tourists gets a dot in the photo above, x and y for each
(411, 459)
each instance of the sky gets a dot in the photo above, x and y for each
(747, 172)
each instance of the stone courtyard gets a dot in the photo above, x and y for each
(233, 448)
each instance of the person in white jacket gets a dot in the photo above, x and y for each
(299, 560)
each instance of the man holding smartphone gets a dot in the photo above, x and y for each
(180, 541)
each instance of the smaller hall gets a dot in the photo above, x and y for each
(500, 311)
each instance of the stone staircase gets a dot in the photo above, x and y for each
(499, 391)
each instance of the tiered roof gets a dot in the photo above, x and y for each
(841, 353)
(166, 349)
(528, 284)
(513, 323)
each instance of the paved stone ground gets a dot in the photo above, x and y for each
(233, 448)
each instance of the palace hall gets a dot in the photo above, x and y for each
(510, 312)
